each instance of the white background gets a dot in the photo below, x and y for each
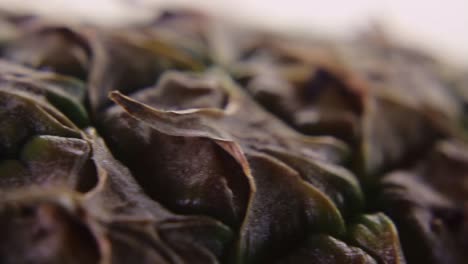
(439, 26)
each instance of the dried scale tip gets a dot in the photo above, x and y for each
(225, 145)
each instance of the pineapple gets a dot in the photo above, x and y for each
(189, 140)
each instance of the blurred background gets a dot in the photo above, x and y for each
(439, 27)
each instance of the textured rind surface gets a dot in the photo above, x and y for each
(226, 145)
